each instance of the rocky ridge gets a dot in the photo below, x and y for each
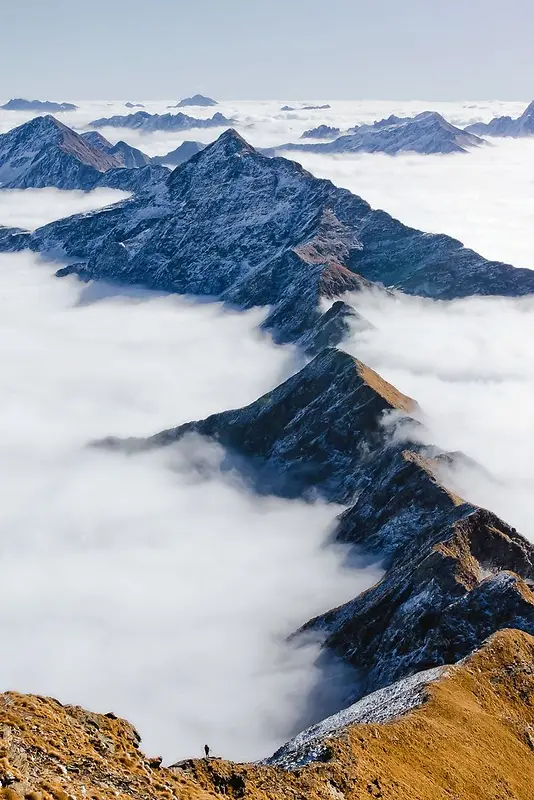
(45, 152)
(427, 133)
(250, 230)
(42, 106)
(197, 100)
(143, 121)
(467, 732)
(506, 126)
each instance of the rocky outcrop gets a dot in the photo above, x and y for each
(197, 100)
(134, 105)
(321, 132)
(130, 157)
(180, 155)
(506, 126)
(254, 231)
(466, 731)
(44, 152)
(143, 121)
(41, 106)
(318, 433)
(427, 133)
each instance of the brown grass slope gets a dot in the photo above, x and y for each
(472, 739)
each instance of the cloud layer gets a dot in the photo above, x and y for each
(146, 586)
(469, 365)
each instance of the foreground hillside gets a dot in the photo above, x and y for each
(470, 737)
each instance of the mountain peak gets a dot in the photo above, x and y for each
(529, 111)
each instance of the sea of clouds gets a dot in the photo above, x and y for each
(157, 586)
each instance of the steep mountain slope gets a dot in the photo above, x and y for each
(426, 133)
(44, 152)
(42, 106)
(456, 573)
(144, 121)
(233, 224)
(179, 155)
(467, 732)
(130, 157)
(506, 126)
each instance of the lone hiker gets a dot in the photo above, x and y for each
(207, 751)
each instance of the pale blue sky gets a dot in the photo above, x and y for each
(325, 49)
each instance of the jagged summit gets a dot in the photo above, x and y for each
(257, 231)
(426, 133)
(180, 154)
(144, 121)
(45, 152)
(506, 126)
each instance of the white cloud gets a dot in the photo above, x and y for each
(31, 208)
(469, 364)
(139, 585)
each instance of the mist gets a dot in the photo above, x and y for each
(469, 365)
(156, 587)
(31, 208)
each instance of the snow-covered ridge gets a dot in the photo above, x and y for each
(384, 705)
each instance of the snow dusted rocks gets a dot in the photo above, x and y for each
(321, 132)
(506, 126)
(455, 572)
(180, 155)
(427, 133)
(251, 230)
(130, 157)
(44, 152)
(379, 707)
(143, 121)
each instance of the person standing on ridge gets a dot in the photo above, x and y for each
(207, 751)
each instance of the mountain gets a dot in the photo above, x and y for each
(46, 106)
(44, 152)
(181, 154)
(464, 732)
(316, 108)
(134, 105)
(233, 224)
(426, 133)
(144, 121)
(321, 132)
(455, 572)
(196, 100)
(129, 156)
(506, 126)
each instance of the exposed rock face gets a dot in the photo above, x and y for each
(465, 732)
(180, 155)
(130, 157)
(321, 132)
(456, 573)
(426, 133)
(236, 225)
(197, 100)
(144, 121)
(44, 152)
(317, 433)
(137, 179)
(46, 106)
(506, 126)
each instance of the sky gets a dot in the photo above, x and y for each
(343, 49)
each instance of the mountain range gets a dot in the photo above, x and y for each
(442, 646)
(43, 106)
(44, 152)
(251, 230)
(144, 121)
(426, 133)
(506, 126)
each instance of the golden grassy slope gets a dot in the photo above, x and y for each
(473, 739)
